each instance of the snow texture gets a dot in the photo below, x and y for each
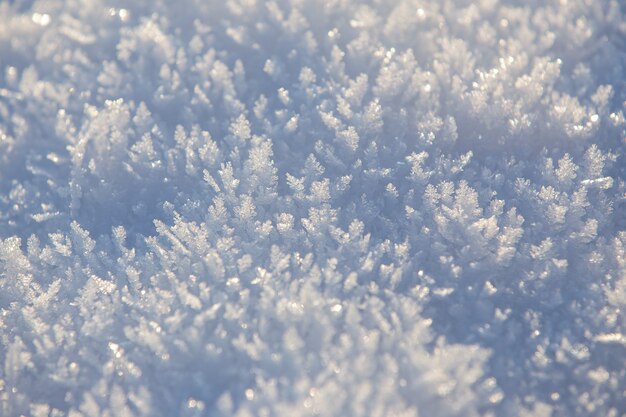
(312, 207)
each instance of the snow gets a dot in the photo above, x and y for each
(295, 208)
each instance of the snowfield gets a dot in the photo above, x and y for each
(332, 208)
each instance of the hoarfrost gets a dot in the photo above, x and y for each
(312, 208)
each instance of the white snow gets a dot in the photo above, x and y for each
(321, 207)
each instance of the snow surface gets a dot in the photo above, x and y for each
(303, 207)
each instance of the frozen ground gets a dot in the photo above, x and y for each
(303, 207)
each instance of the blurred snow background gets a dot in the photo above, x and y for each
(306, 207)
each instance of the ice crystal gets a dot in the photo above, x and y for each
(294, 208)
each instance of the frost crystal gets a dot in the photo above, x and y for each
(324, 207)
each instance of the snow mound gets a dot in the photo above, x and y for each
(327, 207)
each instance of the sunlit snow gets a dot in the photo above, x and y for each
(329, 208)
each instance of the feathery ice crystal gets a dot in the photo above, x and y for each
(328, 207)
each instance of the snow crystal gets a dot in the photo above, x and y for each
(324, 207)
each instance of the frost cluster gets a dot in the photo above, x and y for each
(312, 207)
